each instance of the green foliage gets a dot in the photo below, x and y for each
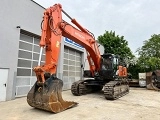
(149, 54)
(115, 44)
(134, 70)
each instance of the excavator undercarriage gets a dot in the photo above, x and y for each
(112, 89)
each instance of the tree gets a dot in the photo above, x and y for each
(115, 44)
(149, 54)
(134, 69)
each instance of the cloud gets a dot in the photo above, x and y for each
(136, 20)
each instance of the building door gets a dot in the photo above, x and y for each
(28, 57)
(3, 83)
(71, 67)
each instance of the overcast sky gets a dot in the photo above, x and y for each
(136, 20)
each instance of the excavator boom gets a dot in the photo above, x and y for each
(46, 94)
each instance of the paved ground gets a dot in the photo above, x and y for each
(139, 104)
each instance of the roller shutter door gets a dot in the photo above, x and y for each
(28, 56)
(71, 67)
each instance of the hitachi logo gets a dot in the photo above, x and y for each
(79, 35)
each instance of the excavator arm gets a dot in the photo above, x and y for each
(54, 27)
(46, 93)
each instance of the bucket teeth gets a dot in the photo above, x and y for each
(49, 96)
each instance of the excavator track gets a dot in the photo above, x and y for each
(115, 89)
(112, 90)
(78, 88)
(82, 87)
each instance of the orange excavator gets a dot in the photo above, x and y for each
(106, 71)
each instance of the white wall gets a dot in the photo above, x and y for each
(13, 13)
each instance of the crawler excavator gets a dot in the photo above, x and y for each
(105, 70)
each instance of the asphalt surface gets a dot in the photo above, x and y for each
(139, 104)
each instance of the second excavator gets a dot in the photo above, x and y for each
(106, 71)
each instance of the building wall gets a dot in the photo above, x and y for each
(13, 13)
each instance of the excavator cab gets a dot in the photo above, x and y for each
(112, 67)
(109, 66)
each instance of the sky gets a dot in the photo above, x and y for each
(136, 20)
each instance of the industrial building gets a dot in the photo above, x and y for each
(19, 52)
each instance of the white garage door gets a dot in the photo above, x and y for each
(71, 67)
(27, 59)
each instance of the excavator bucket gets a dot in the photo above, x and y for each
(49, 96)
